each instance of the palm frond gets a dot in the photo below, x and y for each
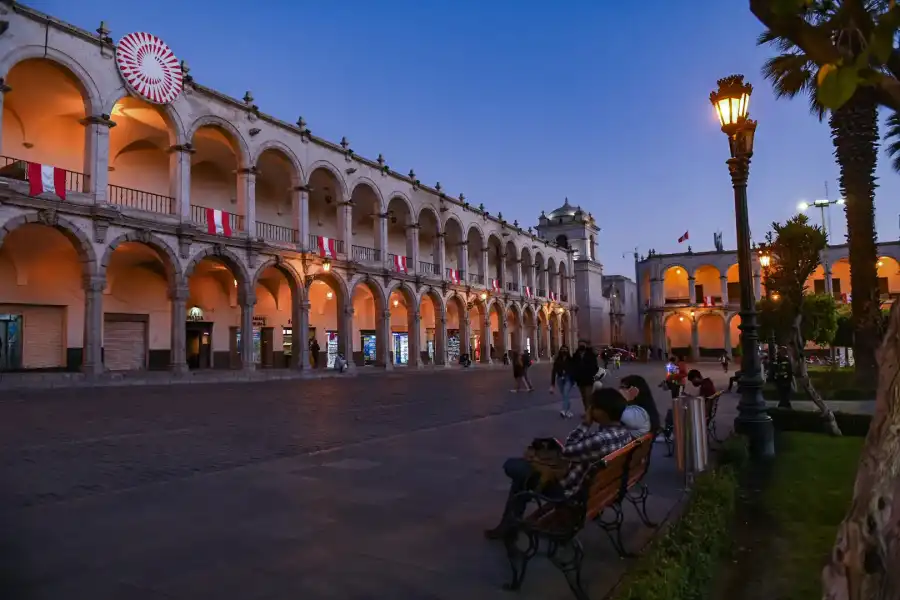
(892, 135)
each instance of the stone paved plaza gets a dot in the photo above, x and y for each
(367, 487)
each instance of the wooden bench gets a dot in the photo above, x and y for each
(615, 478)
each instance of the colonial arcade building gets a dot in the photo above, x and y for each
(148, 222)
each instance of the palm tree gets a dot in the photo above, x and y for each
(854, 132)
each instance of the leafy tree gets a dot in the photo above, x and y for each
(795, 247)
(819, 325)
(798, 69)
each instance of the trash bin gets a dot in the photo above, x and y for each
(691, 449)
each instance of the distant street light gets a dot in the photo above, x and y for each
(732, 103)
(822, 204)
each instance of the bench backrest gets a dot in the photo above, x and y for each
(639, 460)
(608, 482)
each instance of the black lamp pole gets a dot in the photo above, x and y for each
(731, 101)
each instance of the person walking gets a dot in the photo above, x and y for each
(617, 361)
(784, 377)
(561, 379)
(583, 367)
(313, 353)
(526, 365)
(725, 360)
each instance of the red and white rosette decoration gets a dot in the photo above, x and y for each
(149, 67)
(326, 247)
(400, 264)
(708, 301)
(454, 276)
(528, 291)
(218, 222)
(495, 283)
(46, 179)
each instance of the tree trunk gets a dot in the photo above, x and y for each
(865, 561)
(854, 132)
(801, 374)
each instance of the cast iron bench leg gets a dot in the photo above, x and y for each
(569, 565)
(615, 527)
(518, 559)
(639, 501)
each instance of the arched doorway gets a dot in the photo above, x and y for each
(277, 198)
(565, 328)
(215, 168)
(539, 284)
(495, 262)
(675, 285)
(367, 233)
(513, 339)
(455, 252)
(479, 336)
(511, 267)
(734, 331)
(400, 235)
(220, 314)
(45, 322)
(678, 335)
(326, 320)
(429, 240)
(275, 316)
(496, 323)
(707, 286)
(552, 280)
(475, 247)
(405, 327)
(542, 335)
(711, 334)
(888, 278)
(326, 212)
(530, 332)
(458, 342)
(434, 328)
(139, 331)
(371, 343)
(527, 269)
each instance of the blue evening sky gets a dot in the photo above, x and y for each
(519, 105)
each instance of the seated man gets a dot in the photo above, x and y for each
(585, 445)
(706, 387)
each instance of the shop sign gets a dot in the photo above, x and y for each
(195, 313)
(259, 321)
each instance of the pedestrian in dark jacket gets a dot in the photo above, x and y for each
(560, 378)
(784, 377)
(582, 369)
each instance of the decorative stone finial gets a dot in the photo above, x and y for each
(437, 186)
(103, 31)
(500, 215)
(301, 123)
(412, 174)
(248, 98)
(462, 198)
(529, 231)
(516, 223)
(542, 214)
(481, 207)
(380, 159)
(185, 72)
(344, 143)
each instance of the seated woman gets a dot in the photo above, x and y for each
(641, 416)
(585, 445)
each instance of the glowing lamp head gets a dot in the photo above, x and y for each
(880, 263)
(329, 294)
(396, 302)
(326, 266)
(732, 101)
(803, 206)
(484, 295)
(692, 314)
(681, 318)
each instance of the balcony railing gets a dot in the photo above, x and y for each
(16, 168)
(198, 216)
(512, 286)
(313, 242)
(476, 278)
(367, 255)
(427, 268)
(392, 258)
(140, 200)
(277, 233)
(563, 297)
(542, 293)
(447, 272)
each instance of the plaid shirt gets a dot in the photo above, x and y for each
(584, 448)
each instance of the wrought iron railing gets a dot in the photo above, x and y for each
(198, 216)
(277, 233)
(448, 271)
(476, 278)
(512, 286)
(427, 268)
(16, 168)
(364, 254)
(542, 293)
(313, 241)
(140, 199)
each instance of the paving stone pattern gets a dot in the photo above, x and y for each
(366, 487)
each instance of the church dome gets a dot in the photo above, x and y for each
(566, 210)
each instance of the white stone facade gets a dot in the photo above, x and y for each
(127, 271)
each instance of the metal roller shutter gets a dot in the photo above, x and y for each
(125, 345)
(43, 335)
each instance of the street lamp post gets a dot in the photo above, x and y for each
(765, 260)
(822, 204)
(731, 102)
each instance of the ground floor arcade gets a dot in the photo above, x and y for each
(700, 333)
(137, 301)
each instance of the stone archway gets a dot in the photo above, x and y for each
(279, 312)
(434, 325)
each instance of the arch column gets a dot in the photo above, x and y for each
(692, 290)
(415, 338)
(4, 89)
(381, 240)
(518, 276)
(247, 303)
(465, 344)
(829, 289)
(695, 339)
(177, 355)
(728, 348)
(486, 336)
(442, 255)
(383, 341)
(412, 245)
(180, 179)
(246, 199)
(440, 341)
(658, 327)
(520, 343)
(300, 206)
(345, 335)
(300, 334)
(724, 281)
(346, 231)
(485, 272)
(462, 253)
(656, 293)
(92, 344)
(96, 155)
(503, 276)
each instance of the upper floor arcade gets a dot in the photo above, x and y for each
(224, 167)
(711, 279)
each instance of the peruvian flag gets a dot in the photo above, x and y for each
(400, 264)
(218, 222)
(454, 276)
(527, 291)
(496, 284)
(708, 301)
(326, 247)
(46, 179)
(684, 238)
(553, 296)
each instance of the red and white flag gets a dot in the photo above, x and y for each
(454, 276)
(684, 238)
(496, 285)
(46, 179)
(527, 291)
(400, 264)
(708, 301)
(553, 296)
(326, 247)
(218, 222)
